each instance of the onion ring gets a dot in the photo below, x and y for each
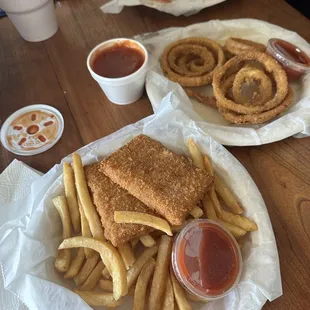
(258, 118)
(204, 99)
(270, 66)
(197, 64)
(249, 75)
(236, 46)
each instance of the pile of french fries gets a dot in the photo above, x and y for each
(104, 274)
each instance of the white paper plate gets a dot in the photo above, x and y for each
(28, 244)
(296, 121)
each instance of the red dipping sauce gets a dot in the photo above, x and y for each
(295, 61)
(119, 60)
(206, 260)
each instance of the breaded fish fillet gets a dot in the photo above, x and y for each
(166, 182)
(109, 197)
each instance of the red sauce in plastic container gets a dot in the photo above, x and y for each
(295, 61)
(206, 260)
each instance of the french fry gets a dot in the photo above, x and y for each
(194, 298)
(178, 228)
(127, 254)
(209, 208)
(142, 219)
(195, 153)
(157, 233)
(71, 197)
(105, 273)
(85, 230)
(134, 242)
(76, 264)
(147, 241)
(238, 220)
(99, 298)
(235, 230)
(85, 199)
(196, 212)
(179, 294)
(142, 283)
(134, 271)
(106, 285)
(160, 274)
(86, 270)
(208, 164)
(168, 303)
(228, 197)
(110, 258)
(93, 278)
(63, 257)
(215, 202)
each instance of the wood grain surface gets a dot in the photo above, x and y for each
(54, 72)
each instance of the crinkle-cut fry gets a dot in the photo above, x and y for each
(127, 254)
(86, 269)
(148, 241)
(235, 230)
(85, 230)
(179, 294)
(105, 273)
(134, 242)
(99, 298)
(208, 164)
(110, 257)
(196, 212)
(70, 192)
(106, 285)
(195, 153)
(142, 284)
(134, 271)
(168, 303)
(161, 273)
(209, 208)
(238, 220)
(142, 219)
(63, 258)
(228, 197)
(85, 199)
(93, 278)
(76, 264)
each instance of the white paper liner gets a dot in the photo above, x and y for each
(175, 7)
(30, 229)
(294, 122)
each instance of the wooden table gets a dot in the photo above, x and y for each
(54, 72)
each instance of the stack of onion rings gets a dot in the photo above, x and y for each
(264, 105)
(192, 61)
(235, 46)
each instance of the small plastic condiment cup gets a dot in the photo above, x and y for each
(191, 280)
(124, 90)
(293, 68)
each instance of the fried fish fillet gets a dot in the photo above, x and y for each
(166, 182)
(109, 197)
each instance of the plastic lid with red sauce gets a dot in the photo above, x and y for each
(206, 260)
(294, 61)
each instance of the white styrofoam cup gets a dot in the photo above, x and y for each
(35, 20)
(124, 90)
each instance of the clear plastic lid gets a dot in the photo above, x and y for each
(289, 55)
(32, 130)
(206, 260)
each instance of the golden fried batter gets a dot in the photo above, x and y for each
(166, 182)
(109, 197)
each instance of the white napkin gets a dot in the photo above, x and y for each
(15, 183)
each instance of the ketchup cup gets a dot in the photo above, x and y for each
(120, 90)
